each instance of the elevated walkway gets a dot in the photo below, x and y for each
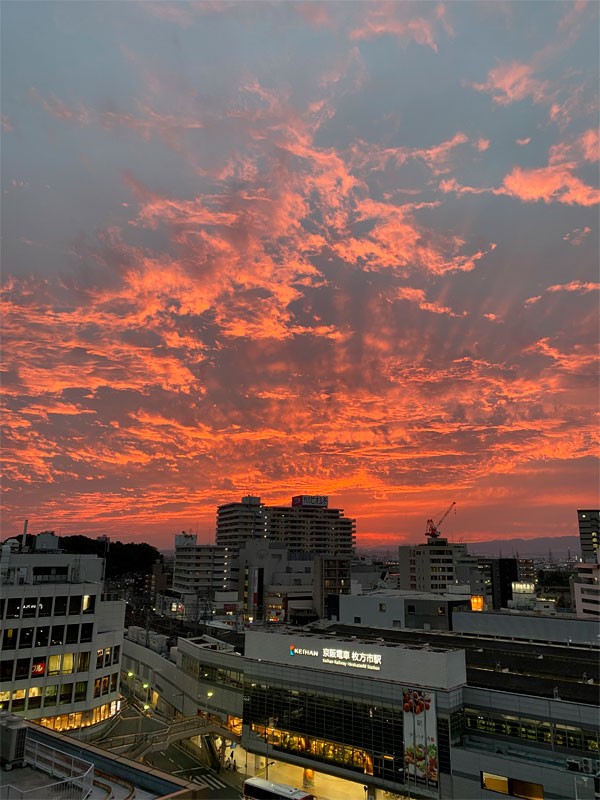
(137, 745)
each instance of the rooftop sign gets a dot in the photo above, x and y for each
(443, 669)
(307, 500)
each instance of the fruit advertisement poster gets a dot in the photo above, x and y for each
(420, 737)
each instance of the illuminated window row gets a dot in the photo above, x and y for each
(36, 696)
(107, 656)
(511, 786)
(211, 673)
(23, 669)
(47, 635)
(59, 606)
(536, 731)
(80, 719)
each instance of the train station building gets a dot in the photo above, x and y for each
(409, 713)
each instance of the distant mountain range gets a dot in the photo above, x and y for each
(559, 546)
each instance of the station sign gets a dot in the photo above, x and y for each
(340, 657)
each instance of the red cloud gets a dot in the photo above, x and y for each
(574, 286)
(554, 183)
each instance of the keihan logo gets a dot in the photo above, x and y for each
(302, 651)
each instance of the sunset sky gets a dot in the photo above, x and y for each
(278, 248)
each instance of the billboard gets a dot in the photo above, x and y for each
(314, 500)
(420, 738)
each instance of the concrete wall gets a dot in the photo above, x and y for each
(558, 783)
(528, 626)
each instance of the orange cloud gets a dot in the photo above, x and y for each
(512, 82)
(393, 19)
(554, 183)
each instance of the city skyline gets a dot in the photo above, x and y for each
(347, 249)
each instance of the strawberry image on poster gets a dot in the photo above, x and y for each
(420, 737)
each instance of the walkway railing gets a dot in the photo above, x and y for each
(76, 775)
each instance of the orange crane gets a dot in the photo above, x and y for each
(432, 531)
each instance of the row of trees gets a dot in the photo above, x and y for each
(121, 559)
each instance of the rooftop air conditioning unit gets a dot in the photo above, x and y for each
(13, 734)
(587, 765)
(573, 764)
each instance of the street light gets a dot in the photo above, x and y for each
(142, 715)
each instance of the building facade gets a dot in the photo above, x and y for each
(200, 569)
(589, 533)
(395, 608)
(61, 638)
(422, 714)
(499, 574)
(585, 589)
(238, 523)
(309, 525)
(435, 565)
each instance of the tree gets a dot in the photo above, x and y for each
(121, 559)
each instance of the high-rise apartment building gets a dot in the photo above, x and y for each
(199, 569)
(309, 525)
(61, 636)
(238, 523)
(589, 533)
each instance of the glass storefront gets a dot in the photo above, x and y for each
(358, 735)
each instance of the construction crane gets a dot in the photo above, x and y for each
(432, 531)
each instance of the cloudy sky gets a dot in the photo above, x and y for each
(346, 248)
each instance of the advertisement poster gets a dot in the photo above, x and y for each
(420, 737)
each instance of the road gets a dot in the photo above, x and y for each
(178, 762)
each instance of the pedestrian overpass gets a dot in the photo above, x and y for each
(137, 745)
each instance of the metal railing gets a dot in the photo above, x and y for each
(76, 776)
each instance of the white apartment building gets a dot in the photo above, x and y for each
(586, 590)
(309, 525)
(200, 569)
(61, 637)
(238, 523)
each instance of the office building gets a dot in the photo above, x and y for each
(435, 565)
(281, 585)
(499, 574)
(589, 533)
(61, 637)
(277, 584)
